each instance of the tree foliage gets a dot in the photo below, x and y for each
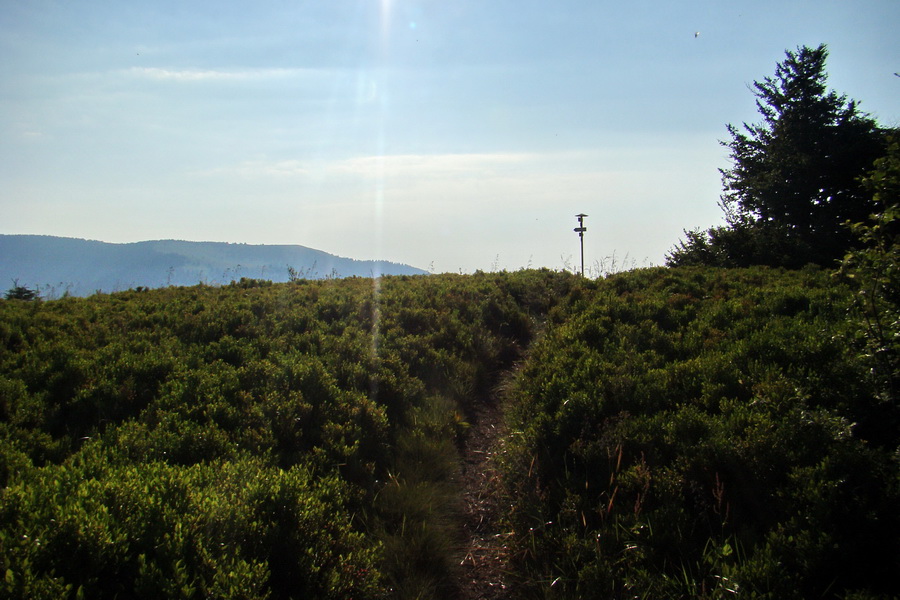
(875, 270)
(795, 179)
(21, 292)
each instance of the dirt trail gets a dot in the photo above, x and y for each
(482, 562)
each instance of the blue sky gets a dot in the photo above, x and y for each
(450, 135)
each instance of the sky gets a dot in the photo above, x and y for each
(451, 135)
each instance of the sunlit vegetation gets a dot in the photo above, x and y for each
(250, 441)
(673, 433)
(702, 433)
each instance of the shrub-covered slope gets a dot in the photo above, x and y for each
(702, 434)
(249, 441)
(676, 433)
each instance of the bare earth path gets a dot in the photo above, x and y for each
(483, 559)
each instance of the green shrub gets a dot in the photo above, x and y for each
(688, 433)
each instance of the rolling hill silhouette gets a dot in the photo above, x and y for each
(56, 265)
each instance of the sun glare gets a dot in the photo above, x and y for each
(385, 20)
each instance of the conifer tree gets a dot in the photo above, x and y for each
(795, 179)
(20, 292)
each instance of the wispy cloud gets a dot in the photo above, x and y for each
(196, 75)
(397, 166)
(431, 164)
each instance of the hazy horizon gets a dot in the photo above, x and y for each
(456, 136)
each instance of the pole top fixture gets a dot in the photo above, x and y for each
(581, 216)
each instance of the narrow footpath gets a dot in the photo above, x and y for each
(483, 560)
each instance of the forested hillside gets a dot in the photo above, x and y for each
(677, 433)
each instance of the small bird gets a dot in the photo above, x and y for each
(696, 34)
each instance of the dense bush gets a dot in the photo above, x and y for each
(677, 433)
(249, 441)
(700, 433)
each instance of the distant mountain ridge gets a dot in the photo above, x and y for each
(56, 265)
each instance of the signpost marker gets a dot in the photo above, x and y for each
(580, 230)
